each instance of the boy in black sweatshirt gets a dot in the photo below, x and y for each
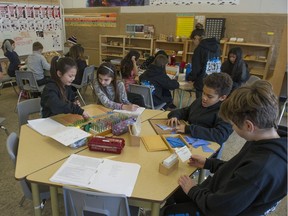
(156, 75)
(253, 181)
(202, 114)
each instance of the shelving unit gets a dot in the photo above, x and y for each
(172, 46)
(116, 47)
(257, 56)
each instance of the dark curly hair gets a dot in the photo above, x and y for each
(127, 64)
(220, 82)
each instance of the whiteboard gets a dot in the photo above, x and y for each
(26, 24)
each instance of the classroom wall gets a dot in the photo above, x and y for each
(245, 6)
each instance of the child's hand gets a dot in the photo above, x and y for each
(77, 102)
(130, 107)
(180, 128)
(173, 122)
(197, 161)
(133, 59)
(85, 115)
(186, 183)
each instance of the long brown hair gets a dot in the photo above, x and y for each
(63, 65)
(108, 69)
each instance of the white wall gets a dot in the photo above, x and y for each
(245, 6)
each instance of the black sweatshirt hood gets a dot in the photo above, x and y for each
(210, 44)
(154, 70)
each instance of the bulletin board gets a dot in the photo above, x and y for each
(185, 25)
(26, 24)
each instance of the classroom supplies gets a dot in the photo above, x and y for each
(199, 142)
(134, 132)
(166, 167)
(160, 126)
(154, 143)
(183, 153)
(122, 127)
(65, 135)
(106, 144)
(138, 112)
(174, 141)
(98, 174)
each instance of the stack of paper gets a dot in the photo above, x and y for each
(138, 112)
(57, 131)
(154, 143)
(99, 174)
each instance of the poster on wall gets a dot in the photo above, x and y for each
(26, 24)
(193, 2)
(114, 3)
(98, 20)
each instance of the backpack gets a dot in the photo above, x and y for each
(213, 64)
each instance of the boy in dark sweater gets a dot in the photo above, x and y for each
(202, 114)
(253, 181)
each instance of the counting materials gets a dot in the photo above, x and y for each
(215, 27)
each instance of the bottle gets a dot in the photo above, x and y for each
(188, 71)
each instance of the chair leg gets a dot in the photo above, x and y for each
(22, 201)
(78, 92)
(11, 83)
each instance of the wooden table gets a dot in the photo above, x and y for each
(151, 189)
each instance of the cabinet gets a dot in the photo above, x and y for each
(257, 56)
(115, 47)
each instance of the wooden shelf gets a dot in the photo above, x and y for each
(112, 36)
(250, 60)
(249, 44)
(160, 41)
(114, 46)
(110, 54)
(137, 48)
(257, 71)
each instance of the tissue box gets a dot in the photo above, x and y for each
(134, 140)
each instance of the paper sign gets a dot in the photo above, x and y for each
(183, 153)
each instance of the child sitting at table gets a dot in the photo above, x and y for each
(37, 63)
(202, 114)
(129, 69)
(236, 67)
(110, 91)
(156, 76)
(254, 180)
(8, 48)
(57, 96)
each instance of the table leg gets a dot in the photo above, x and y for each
(155, 210)
(201, 178)
(181, 98)
(54, 201)
(36, 199)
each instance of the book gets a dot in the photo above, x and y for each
(99, 174)
(65, 135)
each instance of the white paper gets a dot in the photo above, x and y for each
(99, 174)
(45, 126)
(183, 153)
(69, 135)
(64, 135)
(138, 112)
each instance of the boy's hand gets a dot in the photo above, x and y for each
(77, 102)
(180, 128)
(85, 115)
(186, 183)
(173, 122)
(197, 161)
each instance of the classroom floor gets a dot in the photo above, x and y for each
(9, 188)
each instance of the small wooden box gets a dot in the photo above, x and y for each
(167, 170)
(134, 140)
(172, 150)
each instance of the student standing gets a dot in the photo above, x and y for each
(110, 91)
(129, 68)
(202, 114)
(255, 179)
(57, 96)
(161, 82)
(76, 52)
(206, 49)
(8, 48)
(236, 67)
(37, 64)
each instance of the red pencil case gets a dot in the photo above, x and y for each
(106, 144)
